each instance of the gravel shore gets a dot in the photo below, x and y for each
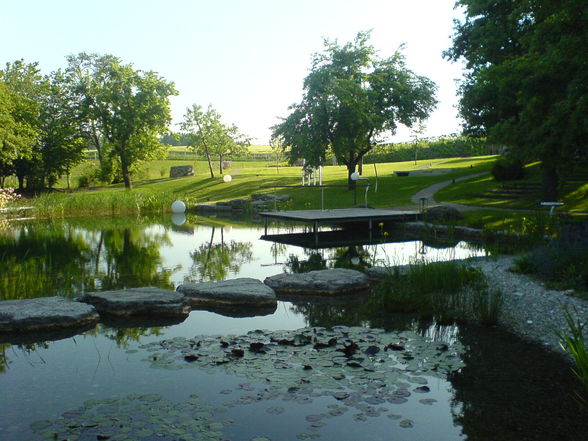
(531, 310)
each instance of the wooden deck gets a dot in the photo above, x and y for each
(340, 216)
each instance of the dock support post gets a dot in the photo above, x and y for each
(315, 233)
(265, 225)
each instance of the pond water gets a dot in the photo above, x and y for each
(406, 379)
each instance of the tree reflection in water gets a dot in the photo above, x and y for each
(41, 259)
(215, 261)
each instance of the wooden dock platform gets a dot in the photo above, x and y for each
(340, 216)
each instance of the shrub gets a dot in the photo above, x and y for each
(508, 169)
(7, 195)
(563, 262)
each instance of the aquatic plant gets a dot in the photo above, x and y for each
(573, 343)
(53, 205)
(446, 291)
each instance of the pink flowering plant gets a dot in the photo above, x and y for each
(7, 195)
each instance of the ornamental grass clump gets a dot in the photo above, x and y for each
(446, 291)
(574, 343)
(52, 205)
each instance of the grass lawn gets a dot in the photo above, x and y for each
(154, 189)
(516, 195)
(249, 178)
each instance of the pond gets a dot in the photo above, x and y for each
(318, 370)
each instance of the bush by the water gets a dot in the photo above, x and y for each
(445, 291)
(508, 169)
(563, 262)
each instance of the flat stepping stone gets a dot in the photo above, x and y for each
(323, 282)
(45, 314)
(138, 301)
(244, 291)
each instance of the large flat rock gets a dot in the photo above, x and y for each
(324, 282)
(45, 314)
(138, 301)
(244, 291)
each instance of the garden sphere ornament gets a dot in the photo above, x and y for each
(227, 178)
(178, 207)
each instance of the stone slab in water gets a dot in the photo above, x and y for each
(235, 292)
(45, 314)
(138, 301)
(323, 282)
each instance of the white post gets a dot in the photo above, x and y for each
(320, 175)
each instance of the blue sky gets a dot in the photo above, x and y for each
(247, 58)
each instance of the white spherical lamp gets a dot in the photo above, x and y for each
(355, 260)
(178, 219)
(178, 207)
(354, 176)
(227, 178)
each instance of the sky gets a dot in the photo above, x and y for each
(247, 58)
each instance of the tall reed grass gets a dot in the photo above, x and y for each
(446, 291)
(53, 205)
(574, 343)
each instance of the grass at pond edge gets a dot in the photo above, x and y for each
(445, 291)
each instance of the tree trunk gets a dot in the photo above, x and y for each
(360, 166)
(209, 162)
(351, 184)
(550, 185)
(20, 178)
(220, 163)
(126, 172)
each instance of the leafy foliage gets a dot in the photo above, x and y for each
(122, 111)
(508, 169)
(351, 97)
(437, 148)
(563, 262)
(527, 83)
(206, 133)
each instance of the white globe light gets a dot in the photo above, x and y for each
(355, 260)
(178, 207)
(354, 176)
(178, 219)
(227, 178)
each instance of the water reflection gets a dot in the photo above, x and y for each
(41, 260)
(76, 255)
(215, 261)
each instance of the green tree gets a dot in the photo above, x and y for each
(208, 135)
(351, 98)
(16, 139)
(526, 83)
(22, 87)
(61, 145)
(123, 111)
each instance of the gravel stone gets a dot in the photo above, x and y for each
(530, 310)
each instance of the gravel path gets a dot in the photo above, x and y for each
(531, 310)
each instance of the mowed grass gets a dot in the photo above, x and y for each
(153, 185)
(247, 179)
(486, 192)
